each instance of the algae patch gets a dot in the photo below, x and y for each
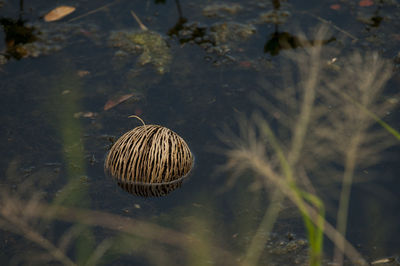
(151, 46)
(231, 32)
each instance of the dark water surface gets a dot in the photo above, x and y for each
(56, 78)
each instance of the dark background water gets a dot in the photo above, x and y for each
(44, 93)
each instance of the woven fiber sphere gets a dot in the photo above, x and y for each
(149, 160)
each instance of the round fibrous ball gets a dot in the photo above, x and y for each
(149, 160)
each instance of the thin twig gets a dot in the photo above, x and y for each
(331, 24)
(142, 26)
(93, 11)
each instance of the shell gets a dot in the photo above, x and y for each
(149, 160)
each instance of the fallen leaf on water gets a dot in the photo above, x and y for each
(85, 114)
(58, 13)
(335, 6)
(383, 261)
(366, 3)
(245, 64)
(82, 73)
(138, 111)
(115, 101)
(396, 36)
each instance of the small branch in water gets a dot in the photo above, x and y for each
(142, 26)
(93, 11)
(333, 25)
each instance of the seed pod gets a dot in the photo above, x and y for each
(149, 160)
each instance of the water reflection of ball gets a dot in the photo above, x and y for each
(149, 160)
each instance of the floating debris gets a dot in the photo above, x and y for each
(230, 32)
(85, 115)
(149, 161)
(58, 13)
(220, 10)
(151, 46)
(37, 39)
(276, 17)
(3, 60)
(384, 261)
(82, 73)
(365, 3)
(116, 100)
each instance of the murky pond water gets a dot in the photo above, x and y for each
(290, 109)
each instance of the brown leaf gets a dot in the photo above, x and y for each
(58, 13)
(115, 101)
(83, 73)
(335, 6)
(365, 3)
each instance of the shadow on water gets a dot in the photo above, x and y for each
(188, 32)
(17, 33)
(279, 41)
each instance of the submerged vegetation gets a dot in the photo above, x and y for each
(150, 45)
